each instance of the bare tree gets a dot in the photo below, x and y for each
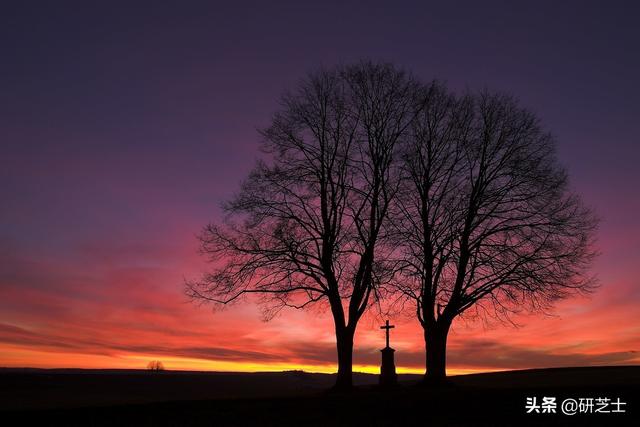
(485, 217)
(156, 366)
(306, 225)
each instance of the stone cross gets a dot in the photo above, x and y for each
(387, 327)
(388, 375)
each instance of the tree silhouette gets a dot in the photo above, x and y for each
(484, 217)
(306, 225)
(155, 365)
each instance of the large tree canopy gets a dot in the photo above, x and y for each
(376, 185)
(307, 224)
(485, 218)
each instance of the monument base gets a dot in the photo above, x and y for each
(388, 374)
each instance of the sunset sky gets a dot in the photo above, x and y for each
(123, 128)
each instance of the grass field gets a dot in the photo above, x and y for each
(89, 397)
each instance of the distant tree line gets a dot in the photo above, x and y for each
(155, 366)
(381, 190)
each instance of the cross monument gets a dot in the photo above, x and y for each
(387, 327)
(388, 375)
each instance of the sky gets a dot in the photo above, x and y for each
(123, 127)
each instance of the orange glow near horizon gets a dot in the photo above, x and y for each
(128, 309)
(127, 319)
(15, 358)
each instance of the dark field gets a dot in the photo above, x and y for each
(110, 398)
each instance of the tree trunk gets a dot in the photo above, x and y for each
(344, 343)
(435, 338)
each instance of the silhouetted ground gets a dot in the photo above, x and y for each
(108, 398)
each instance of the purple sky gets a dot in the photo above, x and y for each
(123, 127)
